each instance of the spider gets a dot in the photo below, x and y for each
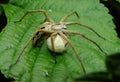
(56, 35)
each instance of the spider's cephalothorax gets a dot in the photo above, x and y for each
(58, 42)
(56, 35)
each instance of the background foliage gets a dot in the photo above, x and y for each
(37, 64)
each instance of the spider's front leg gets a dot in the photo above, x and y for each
(31, 11)
(68, 15)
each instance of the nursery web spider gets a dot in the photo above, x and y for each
(56, 35)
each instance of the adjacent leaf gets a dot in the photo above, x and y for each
(118, 0)
(37, 63)
(111, 75)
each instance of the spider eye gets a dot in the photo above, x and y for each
(42, 27)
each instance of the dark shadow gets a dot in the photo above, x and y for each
(4, 79)
(114, 10)
(3, 21)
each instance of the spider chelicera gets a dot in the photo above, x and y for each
(56, 35)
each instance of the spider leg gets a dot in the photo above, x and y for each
(71, 45)
(53, 47)
(31, 11)
(28, 42)
(66, 16)
(78, 33)
(72, 23)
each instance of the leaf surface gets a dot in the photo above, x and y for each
(37, 63)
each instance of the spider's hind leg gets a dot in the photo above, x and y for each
(27, 44)
(87, 38)
(77, 55)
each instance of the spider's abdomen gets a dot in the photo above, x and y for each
(59, 44)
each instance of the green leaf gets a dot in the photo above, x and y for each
(37, 63)
(118, 1)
